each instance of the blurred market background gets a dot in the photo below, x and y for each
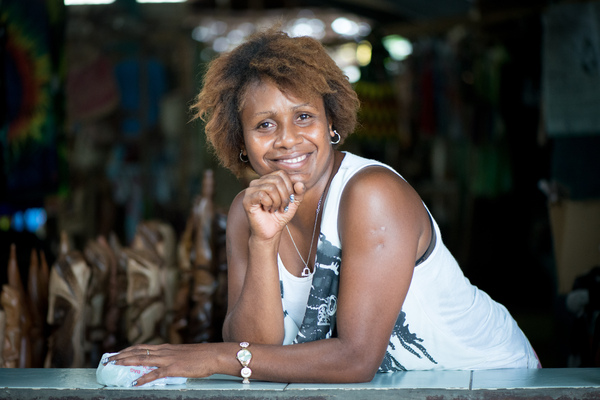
(112, 209)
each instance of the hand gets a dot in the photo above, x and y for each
(268, 205)
(181, 360)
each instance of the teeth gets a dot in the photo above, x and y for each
(295, 160)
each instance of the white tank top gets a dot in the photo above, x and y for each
(294, 296)
(445, 321)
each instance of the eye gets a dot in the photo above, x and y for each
(304, 116)
(264, 125)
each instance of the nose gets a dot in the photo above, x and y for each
(288, 137)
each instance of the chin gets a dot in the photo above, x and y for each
(298, 176)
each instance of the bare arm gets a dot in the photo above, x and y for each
(254, 227)
(254, 300)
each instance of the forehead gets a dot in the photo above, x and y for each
(268, 88)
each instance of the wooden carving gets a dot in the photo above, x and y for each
(220, 263)
(99, 260)
(14, 280)
(68, 285)
(38, 292)
(112, 311)
(145, 305)
(2, 331)
(194, 309)
(204, 283)
(159, 238)
(43, 281)
(11, 303)
(118, 294)
(180, 321)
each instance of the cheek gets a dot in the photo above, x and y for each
(257, 147)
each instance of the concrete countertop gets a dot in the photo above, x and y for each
(548, 383)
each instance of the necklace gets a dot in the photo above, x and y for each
(306, 270)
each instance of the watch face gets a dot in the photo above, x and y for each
(244, 356)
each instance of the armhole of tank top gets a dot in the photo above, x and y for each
(432, 242)
(433, 239)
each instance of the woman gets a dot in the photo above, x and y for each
(394, 299)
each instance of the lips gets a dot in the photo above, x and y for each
(294, 160)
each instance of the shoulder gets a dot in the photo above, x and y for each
(379, 183)
(376, 196)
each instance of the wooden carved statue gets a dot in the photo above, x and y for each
(68, 285)
(44, 278)
(197, 258)
(203, 277)
(116, 314)
(159, 238)
(220, 262)
(99, 259)
(145, 305)
(37, 288)
(2, 331)
(180, 321)
(14, 280)
(11, 303)
(112, 311)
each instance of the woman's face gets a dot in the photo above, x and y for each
(283, 132)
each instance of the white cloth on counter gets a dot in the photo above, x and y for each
(125, 375)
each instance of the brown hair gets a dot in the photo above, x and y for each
(298, 65)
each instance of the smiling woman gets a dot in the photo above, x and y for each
(394, 299)
(293, 65)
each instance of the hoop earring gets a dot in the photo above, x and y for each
(336, 140)
(243, 158)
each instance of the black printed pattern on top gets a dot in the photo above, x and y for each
(319, 319)
(410, 341)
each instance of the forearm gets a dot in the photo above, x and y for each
(325, 361)
(258, 314)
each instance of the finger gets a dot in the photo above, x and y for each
(149, 377)
(269, 197)
(123, 353)
(299, 190)
(296, 197)
(134, 356)
(279, 187)
(262, 197)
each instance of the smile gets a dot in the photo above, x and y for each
(294, 160)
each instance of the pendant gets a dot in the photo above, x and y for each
(306, 271)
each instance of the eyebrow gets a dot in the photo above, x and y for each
(274, 112)
(300, 106)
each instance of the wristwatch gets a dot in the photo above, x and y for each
(244, 356)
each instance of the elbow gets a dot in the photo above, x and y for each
(254, 336)
(362, 374)
(359, 368)
(225, 331)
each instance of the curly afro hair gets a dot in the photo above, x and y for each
(298, 65)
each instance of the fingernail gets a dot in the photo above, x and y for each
(113, 362)
(286, 209)
(134, 383)
(292, 198)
